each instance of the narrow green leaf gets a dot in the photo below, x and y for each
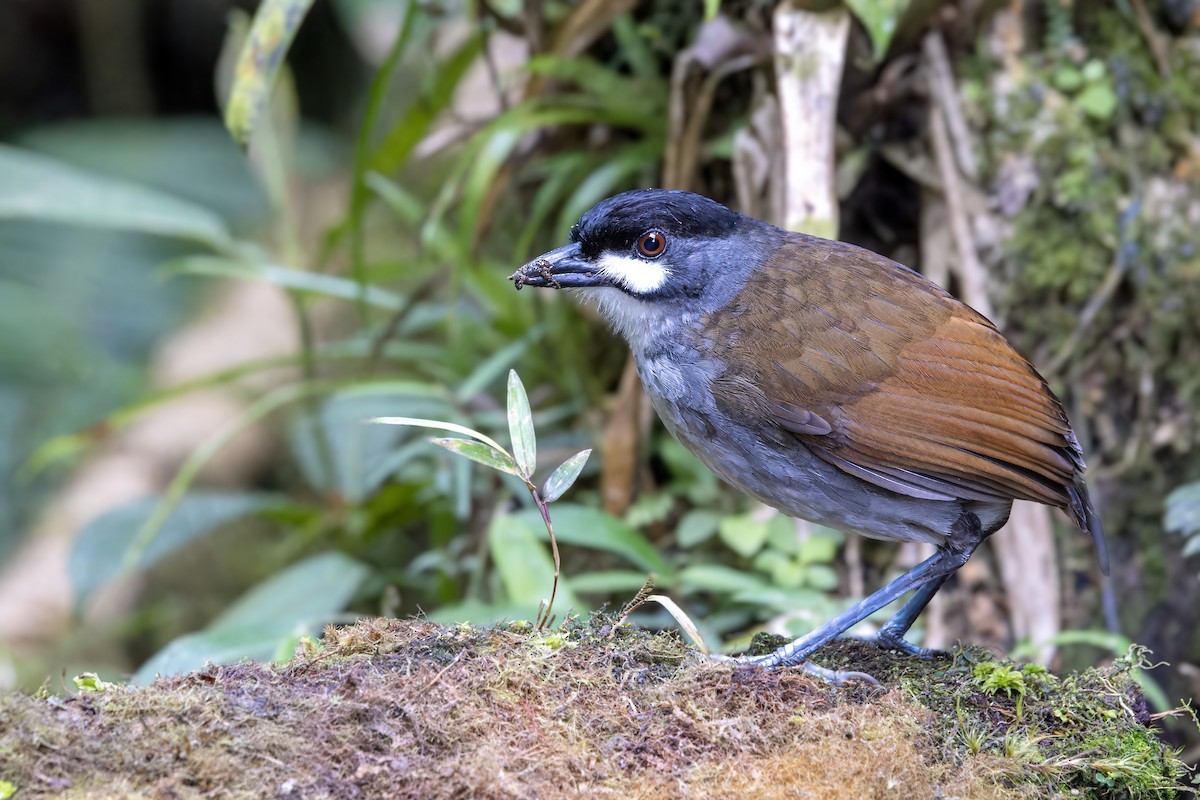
(494, 156)
(639, 53)
(520, 426)
(288, 278)
(35, 187)
(606, 93)
(417, 422)
(611, 173)
(414, 211)
(337, 453)
(554, 175)
(177, 489)
(563, 477)
(271, 34)
(492, 367)
(72, 445)
(377, 100)
(415, 122)
(479, 453)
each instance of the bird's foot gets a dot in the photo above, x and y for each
(890, 641)
(772, 661)
(837, 677)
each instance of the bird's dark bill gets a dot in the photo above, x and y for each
(563, 268)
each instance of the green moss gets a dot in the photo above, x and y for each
(1132, 766)
(993, 677)
(1096, 122)
(1080, 734)
(389, 708)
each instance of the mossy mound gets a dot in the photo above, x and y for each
(388, 708)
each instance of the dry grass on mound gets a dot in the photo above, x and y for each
(407, 709)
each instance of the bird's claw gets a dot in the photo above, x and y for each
(890, 641)
(834, 676)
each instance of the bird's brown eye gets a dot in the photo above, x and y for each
(651, 244)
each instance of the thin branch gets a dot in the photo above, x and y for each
(1153, 41)
(1098, 300)
(971, 275)
(945, 93)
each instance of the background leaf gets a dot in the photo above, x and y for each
(34, 187)
(100, 551)
(297, 601)
(286, 277)
(743, 534)
(717, 578)
(275, 25)
(696, 526)
(880, 18)
(306, 592)
(590, 527)
(339, 452)
(1183, 510)
(218, 646)
(524, 566)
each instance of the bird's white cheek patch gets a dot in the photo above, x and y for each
(639, 277)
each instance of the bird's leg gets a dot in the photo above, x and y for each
(930, 574)
(891, 635)
(930, 569)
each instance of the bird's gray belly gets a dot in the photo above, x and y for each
(774, 467)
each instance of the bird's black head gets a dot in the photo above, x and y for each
(649, 244)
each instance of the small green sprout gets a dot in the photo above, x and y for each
(90, 682)
(993, 677)
(521, 462)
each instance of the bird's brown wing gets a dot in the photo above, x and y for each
(884, 375)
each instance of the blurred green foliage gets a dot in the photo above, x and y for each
(81, 307)
(1183, 516)
(1090, 150)
(375, 518)
(439, 209)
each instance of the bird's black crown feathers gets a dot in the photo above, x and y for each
(615, 223)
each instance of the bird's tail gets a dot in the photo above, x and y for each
(1088, 520)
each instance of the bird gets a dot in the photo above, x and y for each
(828, 382)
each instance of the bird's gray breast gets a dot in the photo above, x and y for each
(770, 464)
